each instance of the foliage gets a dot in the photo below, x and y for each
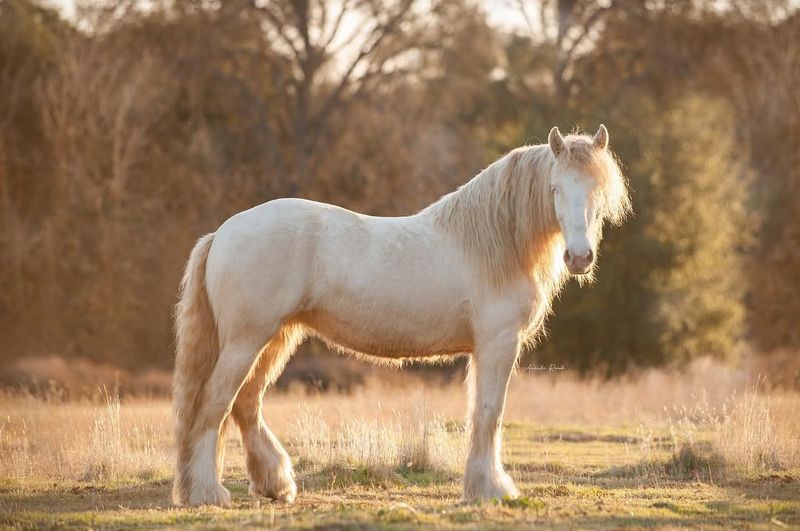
(671, 279)
(130, 132)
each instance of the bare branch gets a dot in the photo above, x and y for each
(380, 32)
(337, 24)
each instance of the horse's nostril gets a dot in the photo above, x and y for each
(590, 257)
(567, 257)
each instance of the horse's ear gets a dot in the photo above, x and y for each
(601, 137)
(556, 141)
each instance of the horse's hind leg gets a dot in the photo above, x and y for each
(232, 368)
(268, 464)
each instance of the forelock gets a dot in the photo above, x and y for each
(603, 166)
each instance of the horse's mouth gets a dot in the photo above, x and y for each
(579, 271)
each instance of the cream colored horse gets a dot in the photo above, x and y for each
(473, 273)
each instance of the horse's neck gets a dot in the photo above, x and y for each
(504, 217)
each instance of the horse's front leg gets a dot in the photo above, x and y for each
(491, 367)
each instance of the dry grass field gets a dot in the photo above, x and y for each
(706, 448)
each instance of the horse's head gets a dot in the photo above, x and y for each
(588, 188)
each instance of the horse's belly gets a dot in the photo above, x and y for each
(392, 334)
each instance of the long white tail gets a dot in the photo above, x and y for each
(197, 353)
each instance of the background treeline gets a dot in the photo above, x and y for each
(130, 131)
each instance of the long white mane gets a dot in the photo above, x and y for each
(505, 217)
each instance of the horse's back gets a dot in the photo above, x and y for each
(269, 260)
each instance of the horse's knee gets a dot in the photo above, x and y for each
(212, 414)
(224, 384)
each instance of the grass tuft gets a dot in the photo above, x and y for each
(523, 502)
(698, 462)
(415, 447)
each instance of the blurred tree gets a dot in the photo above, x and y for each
(671, 282)
(121, 142)
(165, 121)
(568, 28)
(757, 67)
(99, 117)
(331, 55)
(29, 39)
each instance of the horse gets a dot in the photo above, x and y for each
(472, 274)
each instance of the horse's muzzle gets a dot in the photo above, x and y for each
(579, 264)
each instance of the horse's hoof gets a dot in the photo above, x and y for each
(288, 497)
(212, 495)
(499, 486)
(283, 491)
(491, 494)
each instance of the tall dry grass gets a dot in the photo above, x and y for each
(749, 432)
(745, 433)
(84, 441)
(414, 427)
(414, 439)
(758, 432)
